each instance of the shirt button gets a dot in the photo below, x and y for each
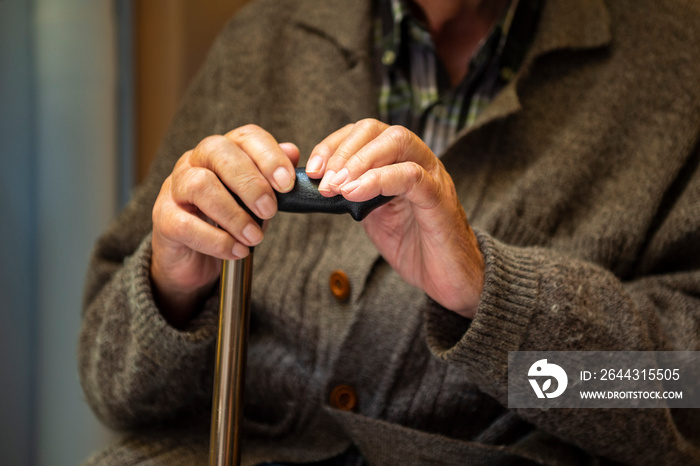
(340, 285)
(389, 57)
(343, 397)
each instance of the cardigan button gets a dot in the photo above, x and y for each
(343, 397)
(340, 285)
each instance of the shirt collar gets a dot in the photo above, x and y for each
(395, 18)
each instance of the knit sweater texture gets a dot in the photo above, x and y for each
(581, 180)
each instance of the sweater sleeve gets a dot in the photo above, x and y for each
(134, 368)
(535, 299)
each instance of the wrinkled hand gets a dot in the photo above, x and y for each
(423, 232)
(188, 246)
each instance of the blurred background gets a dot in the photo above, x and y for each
(87, 89)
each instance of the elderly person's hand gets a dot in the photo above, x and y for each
(197, 223)
(423, 232)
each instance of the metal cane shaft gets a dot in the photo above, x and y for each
(234, 318)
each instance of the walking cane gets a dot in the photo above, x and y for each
(234, 319)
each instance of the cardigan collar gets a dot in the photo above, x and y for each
(572, 24)
(347, 23)
(563, 25)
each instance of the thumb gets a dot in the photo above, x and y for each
(291, 150)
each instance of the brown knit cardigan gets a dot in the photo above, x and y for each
(581, 180)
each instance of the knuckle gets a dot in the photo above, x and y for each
(412, 172)
(398, 135)
(250, 182)
(222, 248)
(377, 177)
(200, 181)
(176, 176)
(236, 220)
(360, 159)
(341, 155)
(211, 145)
(167, 186)
(245, 131)
(398, 140)
(183, 161)
(368, 127)
(367, 123)
(268, 158)
(423, 181)
(176, 225)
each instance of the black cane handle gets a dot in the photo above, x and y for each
(305, 198)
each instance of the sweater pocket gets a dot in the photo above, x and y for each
(384, 443)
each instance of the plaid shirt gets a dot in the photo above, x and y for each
(415, 91)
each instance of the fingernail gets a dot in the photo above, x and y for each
(339, 178)
(283, 179)
(266, 206)
(323, 185)
(314, 164)
(351, 186)
(240, 250)
(252, 233)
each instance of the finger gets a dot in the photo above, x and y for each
(320, 154)
(184, 226)
(199, 188)
(406, 179)
(362, 133)
(265, 151)
(395, 144)
(292, 151)
(233, 167)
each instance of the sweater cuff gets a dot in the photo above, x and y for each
(149, 327)
(504, 313)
